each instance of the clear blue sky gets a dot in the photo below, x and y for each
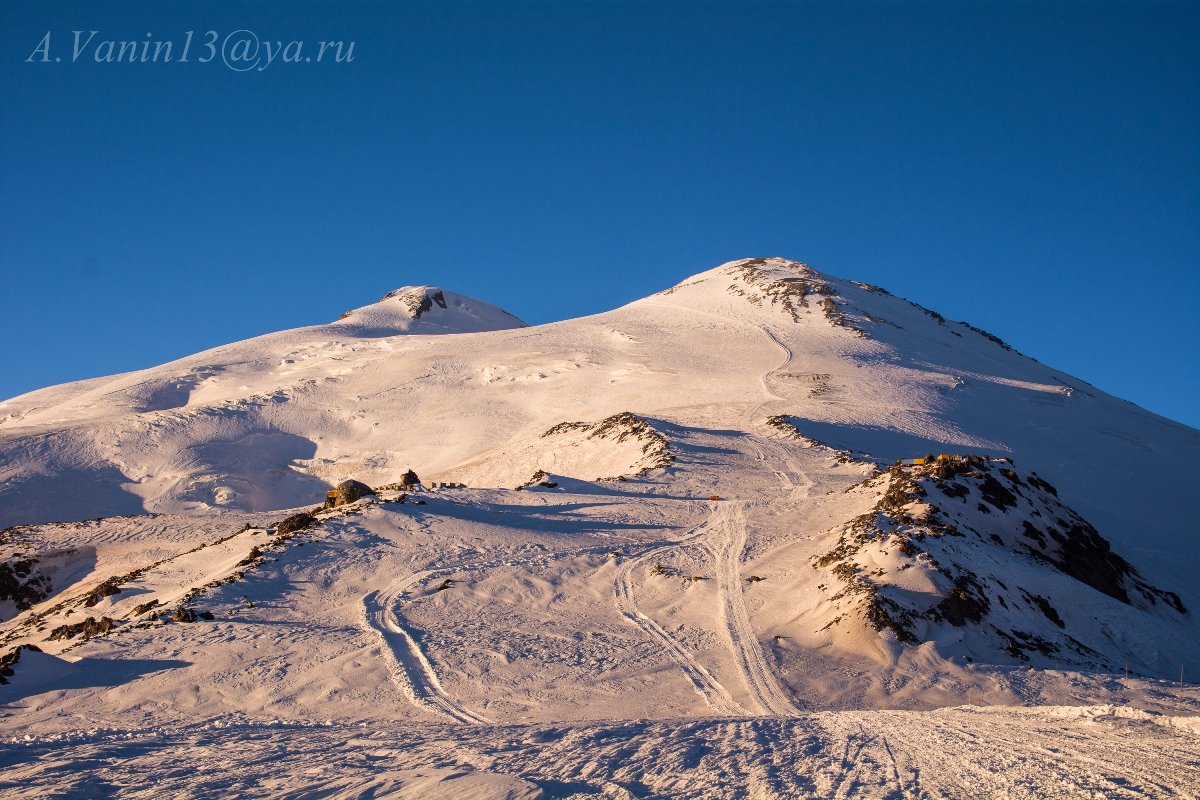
(1032, 169)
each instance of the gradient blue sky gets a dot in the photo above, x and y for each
(1032, 169)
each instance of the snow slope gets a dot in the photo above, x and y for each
(776, 620)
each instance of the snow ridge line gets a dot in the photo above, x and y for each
(703, 682)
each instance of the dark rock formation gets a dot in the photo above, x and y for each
(959, 521)
(253, 557)
(539, 479)
(295, 523)
(621, 427)
(409, 481)
(418, 301)
(144, 607)
(21, 583)
(107, 589)
(87, 629)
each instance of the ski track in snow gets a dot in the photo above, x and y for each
(724, 535)
(786, 478)
(729, 521)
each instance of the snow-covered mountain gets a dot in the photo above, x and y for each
(714, 501)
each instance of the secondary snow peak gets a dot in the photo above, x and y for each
(427, 310)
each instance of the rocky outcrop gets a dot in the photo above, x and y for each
(143, 608)
(295, 523)
(621, 428)
(794, 287)
(418, 301)
(108, 588)
(540, 480)
(788, 284)
(10, 659)
(972, 542)
(87, 629)
(787, 426)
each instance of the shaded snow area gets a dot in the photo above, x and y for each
(692, 547)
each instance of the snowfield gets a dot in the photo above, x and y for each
(679, 549)
(1048, 752)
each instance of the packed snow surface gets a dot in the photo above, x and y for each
(663, 551)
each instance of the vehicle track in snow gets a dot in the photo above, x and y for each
(729, 523)
(409, 666)
(703, 682)
(726, 539)
(793, 480)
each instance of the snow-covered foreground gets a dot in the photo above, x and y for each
(400, 642)
(1100, 752)
(683, 563)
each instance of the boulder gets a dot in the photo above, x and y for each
(144, 607)
(347, 492)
